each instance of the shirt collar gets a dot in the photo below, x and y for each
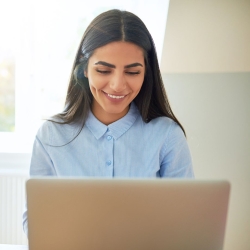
(117, 128)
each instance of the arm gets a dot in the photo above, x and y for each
(176, 159)
(41, 165)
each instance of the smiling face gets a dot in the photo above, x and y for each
(115, 73)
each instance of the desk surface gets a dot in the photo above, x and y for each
(13, 247)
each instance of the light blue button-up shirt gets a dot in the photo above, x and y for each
(128, 147)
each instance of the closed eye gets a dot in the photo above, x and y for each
(133, 73)
(103, 71)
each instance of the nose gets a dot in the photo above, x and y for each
(118, 83)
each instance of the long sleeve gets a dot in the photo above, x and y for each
(41, 165)
(176, 158)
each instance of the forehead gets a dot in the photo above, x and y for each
(118, 53)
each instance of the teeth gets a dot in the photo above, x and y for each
(116, 96)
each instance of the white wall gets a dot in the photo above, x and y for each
(215, 111)
(207, 36)
(206, 71)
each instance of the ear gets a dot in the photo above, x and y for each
(85, 73)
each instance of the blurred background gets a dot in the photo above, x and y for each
(204, 52)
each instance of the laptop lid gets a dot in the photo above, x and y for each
(134, 214)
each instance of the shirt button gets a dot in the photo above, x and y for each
(108, 163)
(109, 137)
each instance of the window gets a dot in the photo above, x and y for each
(7, 71)
(41, 42)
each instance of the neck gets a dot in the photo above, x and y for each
(107, 116)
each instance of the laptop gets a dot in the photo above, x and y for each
(126, 214)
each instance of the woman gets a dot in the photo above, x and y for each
(117, 120)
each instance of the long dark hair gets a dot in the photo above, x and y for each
(110, 26)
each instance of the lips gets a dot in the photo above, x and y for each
(114, 97)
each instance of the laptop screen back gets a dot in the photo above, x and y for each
(134, 214)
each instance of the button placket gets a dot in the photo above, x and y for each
(109, 154)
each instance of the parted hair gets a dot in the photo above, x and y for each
(110, 26)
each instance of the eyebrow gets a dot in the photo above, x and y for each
(113, 66)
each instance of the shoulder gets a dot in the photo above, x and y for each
(44, 130)
(162, 121)
(166, 127)
(56, 133)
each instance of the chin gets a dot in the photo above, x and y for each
(116, 110)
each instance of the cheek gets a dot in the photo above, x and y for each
(136, 84)
(96, 83)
